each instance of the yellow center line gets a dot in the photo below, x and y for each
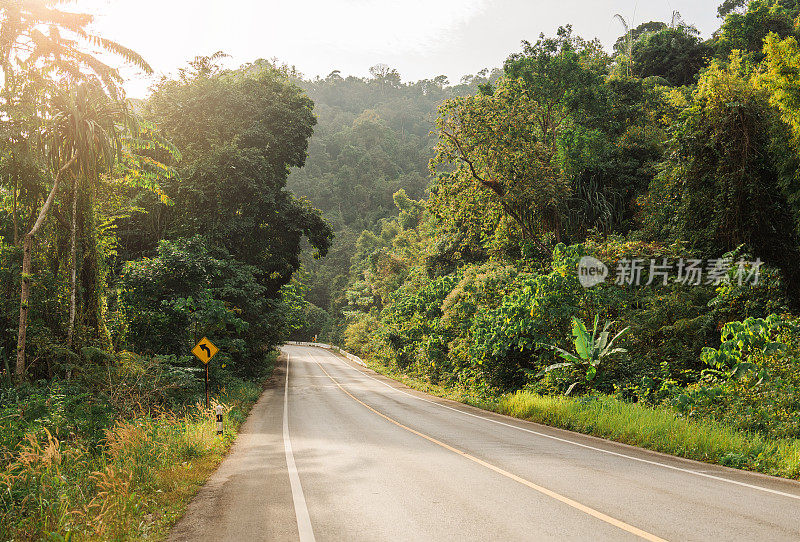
(543, 490)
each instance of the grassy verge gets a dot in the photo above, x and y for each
(659, 429)
(132, 486)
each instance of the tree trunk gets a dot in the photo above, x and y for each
(23, 304)
(14, 216)
(26, 271)
(73, 262)
(91, 277)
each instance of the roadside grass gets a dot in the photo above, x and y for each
(656, 428)
(659, 429)
(133, 486)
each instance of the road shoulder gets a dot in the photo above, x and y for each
(241, 499)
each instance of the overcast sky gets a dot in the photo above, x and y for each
(421, 38)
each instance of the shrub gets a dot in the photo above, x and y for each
(762, 397)
(539, 309)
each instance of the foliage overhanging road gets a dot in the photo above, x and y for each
(364, 458)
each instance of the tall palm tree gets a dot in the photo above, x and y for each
(677, 20)
(107, 140)
(86, 124)
(40, 43)
(628, 43)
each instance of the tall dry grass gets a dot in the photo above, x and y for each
(131, 486)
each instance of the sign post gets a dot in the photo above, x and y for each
(220, 411)
(205, 350)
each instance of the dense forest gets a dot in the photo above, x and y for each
(621, 226)
(373, 139)
(667, 156)
(167, 232)
(129, 231)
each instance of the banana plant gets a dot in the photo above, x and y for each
(590, 349)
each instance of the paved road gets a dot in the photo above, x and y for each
(337, 452)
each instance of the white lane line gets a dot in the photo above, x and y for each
(567, 441)
(541, 489)
(300, 507)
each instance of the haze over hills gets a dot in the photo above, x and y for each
(374, 137)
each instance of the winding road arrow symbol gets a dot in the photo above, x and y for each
(205, 350)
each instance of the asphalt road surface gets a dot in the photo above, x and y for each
(333, 451)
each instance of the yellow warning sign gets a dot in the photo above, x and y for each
(205, 350)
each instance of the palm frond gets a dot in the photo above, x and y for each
(128, 55)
